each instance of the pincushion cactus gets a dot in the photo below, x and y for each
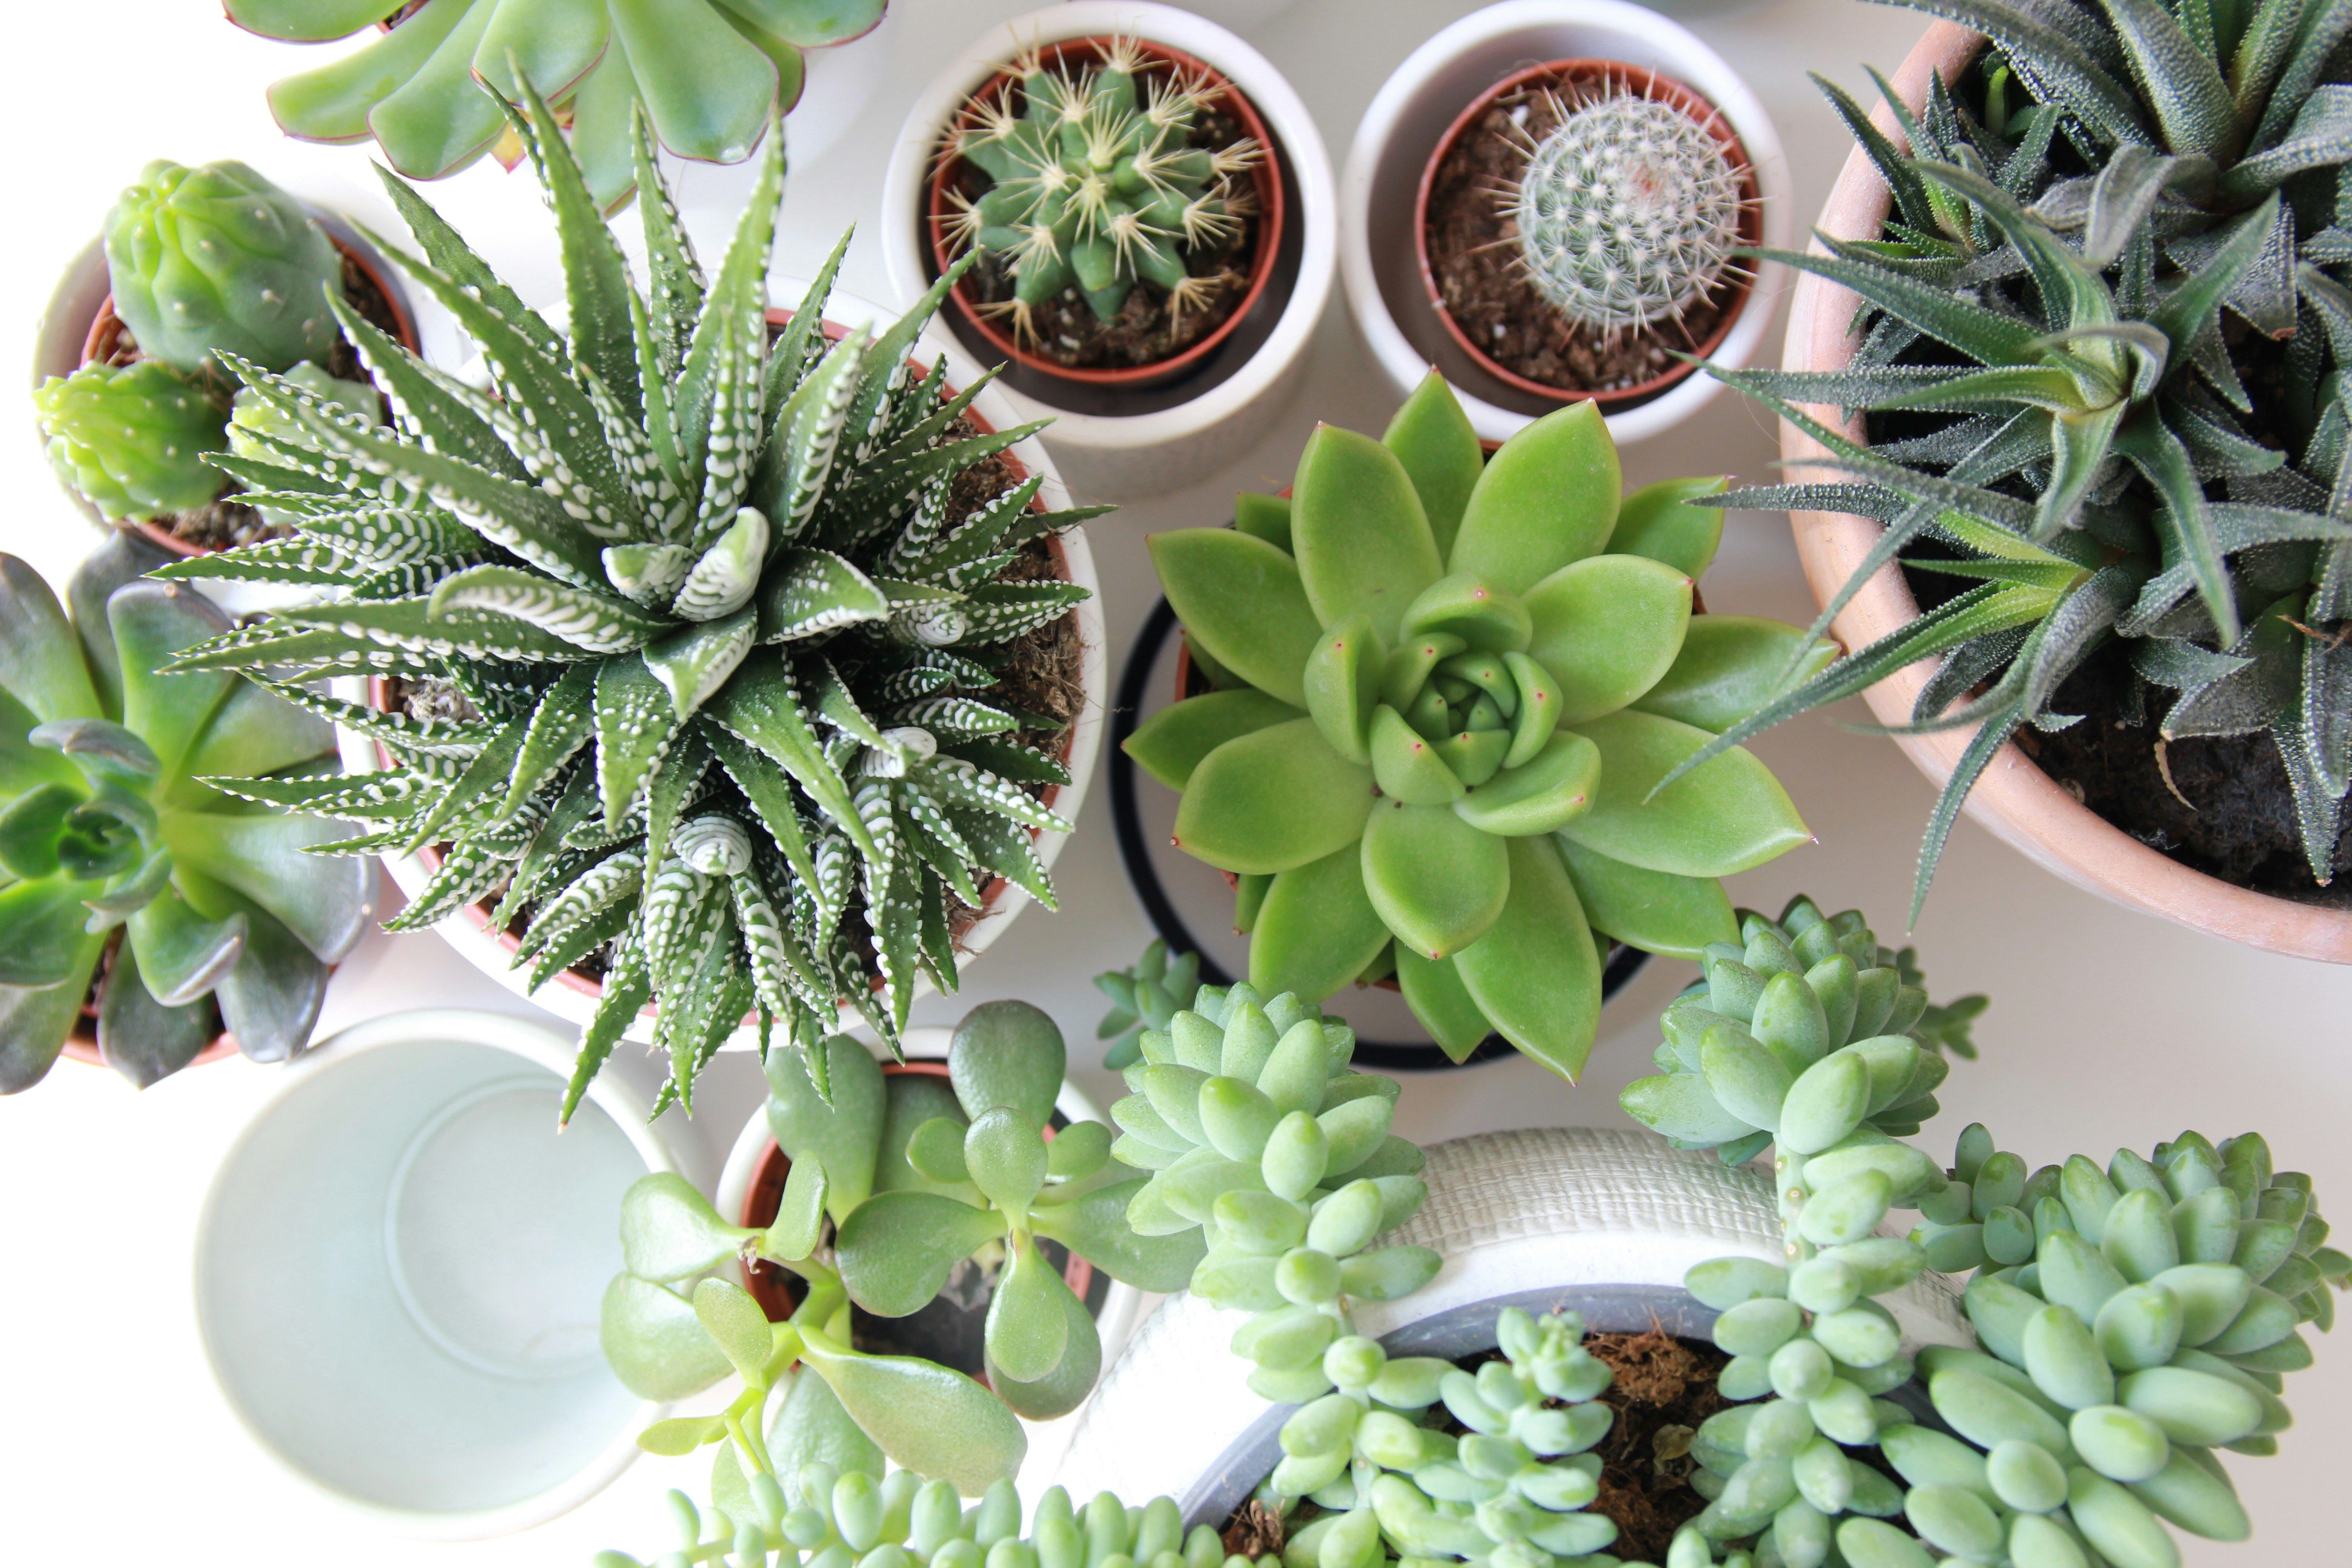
(118, 817)
(218, 261)
(721, 646)
(1628, 212)
(1454, 693)
(709, 75)
(131, 439)
(1097, 183)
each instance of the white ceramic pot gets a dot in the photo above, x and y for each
(1604, 1221)
(1401, 132)
(1108, 450)
(572, 998)
(399, 1268)
(1122, 1305)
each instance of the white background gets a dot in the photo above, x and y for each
(2107, 1027)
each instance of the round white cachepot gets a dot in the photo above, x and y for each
(1122, 1305)
(1126, 455)
(1401, 130)
(463, 930)
(1603, 1221)
(399, 1267)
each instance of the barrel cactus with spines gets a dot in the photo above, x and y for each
(699, 636)
(1452, 688)
(131, 439)
(218, 260)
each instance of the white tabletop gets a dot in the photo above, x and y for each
(2107, 1027)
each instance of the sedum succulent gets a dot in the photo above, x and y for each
(707, 73)
(122, 815)
(1627, 211)
(218, 261)
(1452, 697)
(1095, 182)
(131, 439)
(718, 641)
(1145, 997)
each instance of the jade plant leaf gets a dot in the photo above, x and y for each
(1273, 799)
(1363, 542)
(1731, 666)
(1008, 1054)
(843, 1135)
(1674, 917)
(926, 1418)
(1170, 744)
(1434, 990)
(1437, 882)
(1065, 1385)
(655, 1343)
(1005, 1153)
(1654, 521)
(1535, 973)
(1432, 438)
(1607, 628)
(1546, 497)
(811, 1423)
(1027, 1332)
(1728, 814)
(735, 1324)
(1317, 929)
(1242, 600)
(896, 1249)
(669, 1231)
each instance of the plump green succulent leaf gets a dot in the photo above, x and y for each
(1363, 542)
(1273, 799)
(144, 1040)
(1434, 990)
(1654, 521)
(896, 1249)
(1071, 1378)
(1704, 824)
(1657, 912)
(812, 1425)
(707, 90)
(1028, 1330)
(843, 1132)
(1007, 1054)
(40, 662)
(34, 1021)
(1607, 628)
(1242, 600)
(1542, 795)
(1170, 744)
(926, 1418)
(655, 1343)
(1535, 973)
(331, 102)
(1317, 929)
(1095, 1226)
(1343, 682)
(1437, 882)
(1433, 439)
(1548, 498)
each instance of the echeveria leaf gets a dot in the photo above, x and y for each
(1317, 929)
(1439, 448)
(1264, 517)
(181, 954)
(1606, 629)
(1654, 521)
(1731, 666)
(140, 1037)
(1434, 990)
(270, 999)
(928, 1419)
(1437, 882)
(1466, 605)
(1273, 799)
(325, 901)
(40, 656)
(1542, 795)
(1362, 542)
(1170, 744)
(34, 1023)
(1675, 916)
(1407, 767)
(1548, 496)
(1242, 600)
(151, 622)
(1535, 973)
(1343, 681)
(1729, 814)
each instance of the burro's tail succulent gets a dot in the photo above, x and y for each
(1449, 687)
(114, 816)
(218, 261)
(131, 439)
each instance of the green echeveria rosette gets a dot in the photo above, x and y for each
(116, 816)
(131, 439)
(217, 259)
(1452, 686)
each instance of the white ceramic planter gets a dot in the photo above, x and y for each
(1603, 1221)
(1411, 113)
(1123, 1304)
(576, 1002)
(1126, 455)
(399, 1267)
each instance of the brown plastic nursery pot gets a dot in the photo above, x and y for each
(1632, 80)
(1265, 182)
(106, 342)
(2015, 799)
(479, 912)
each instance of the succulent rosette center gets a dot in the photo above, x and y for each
(1449, 687)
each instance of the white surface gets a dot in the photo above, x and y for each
(2107, 1027)
(399, 1265)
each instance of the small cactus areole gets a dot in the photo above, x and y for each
(1159, 212)
(1626, 198)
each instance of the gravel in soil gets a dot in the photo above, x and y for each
(1474, 251)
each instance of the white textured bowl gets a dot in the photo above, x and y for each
(1607, 1220)
(399, 1268)
(1379, 263)
(1126, 457)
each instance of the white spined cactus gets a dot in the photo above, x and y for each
(1628, 211)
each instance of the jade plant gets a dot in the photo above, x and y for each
(132, 853)
(709, 74)
(2130, 1320)
(882, 1203)
(1450, 693)
(2104, 325)
(698, 632)
(1094, 182)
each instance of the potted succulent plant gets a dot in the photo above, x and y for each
(1449, 689)
(1151, 208)
(156, 896)
(200, 263)
(709, 75)
(721, 718)
(1465, 206)
(2144, 684)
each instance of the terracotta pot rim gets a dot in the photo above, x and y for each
(100, 344)
(479, 912)
(81, 1045)
(2021, 805)
(1683, 98)
(1265, 177)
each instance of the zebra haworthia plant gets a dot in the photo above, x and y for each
(702, 639)
(1450, 692)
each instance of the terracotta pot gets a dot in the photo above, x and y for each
(2016, 800)
(1633, 81)
(106, 339)
(1265, 182)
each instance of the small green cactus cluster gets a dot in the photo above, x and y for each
(842, 1517)
(1146, 997)
(1258, 1133)
(1097, 183)
(131, 439)
(1628, 212)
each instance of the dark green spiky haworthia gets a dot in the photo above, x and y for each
(717, 641)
